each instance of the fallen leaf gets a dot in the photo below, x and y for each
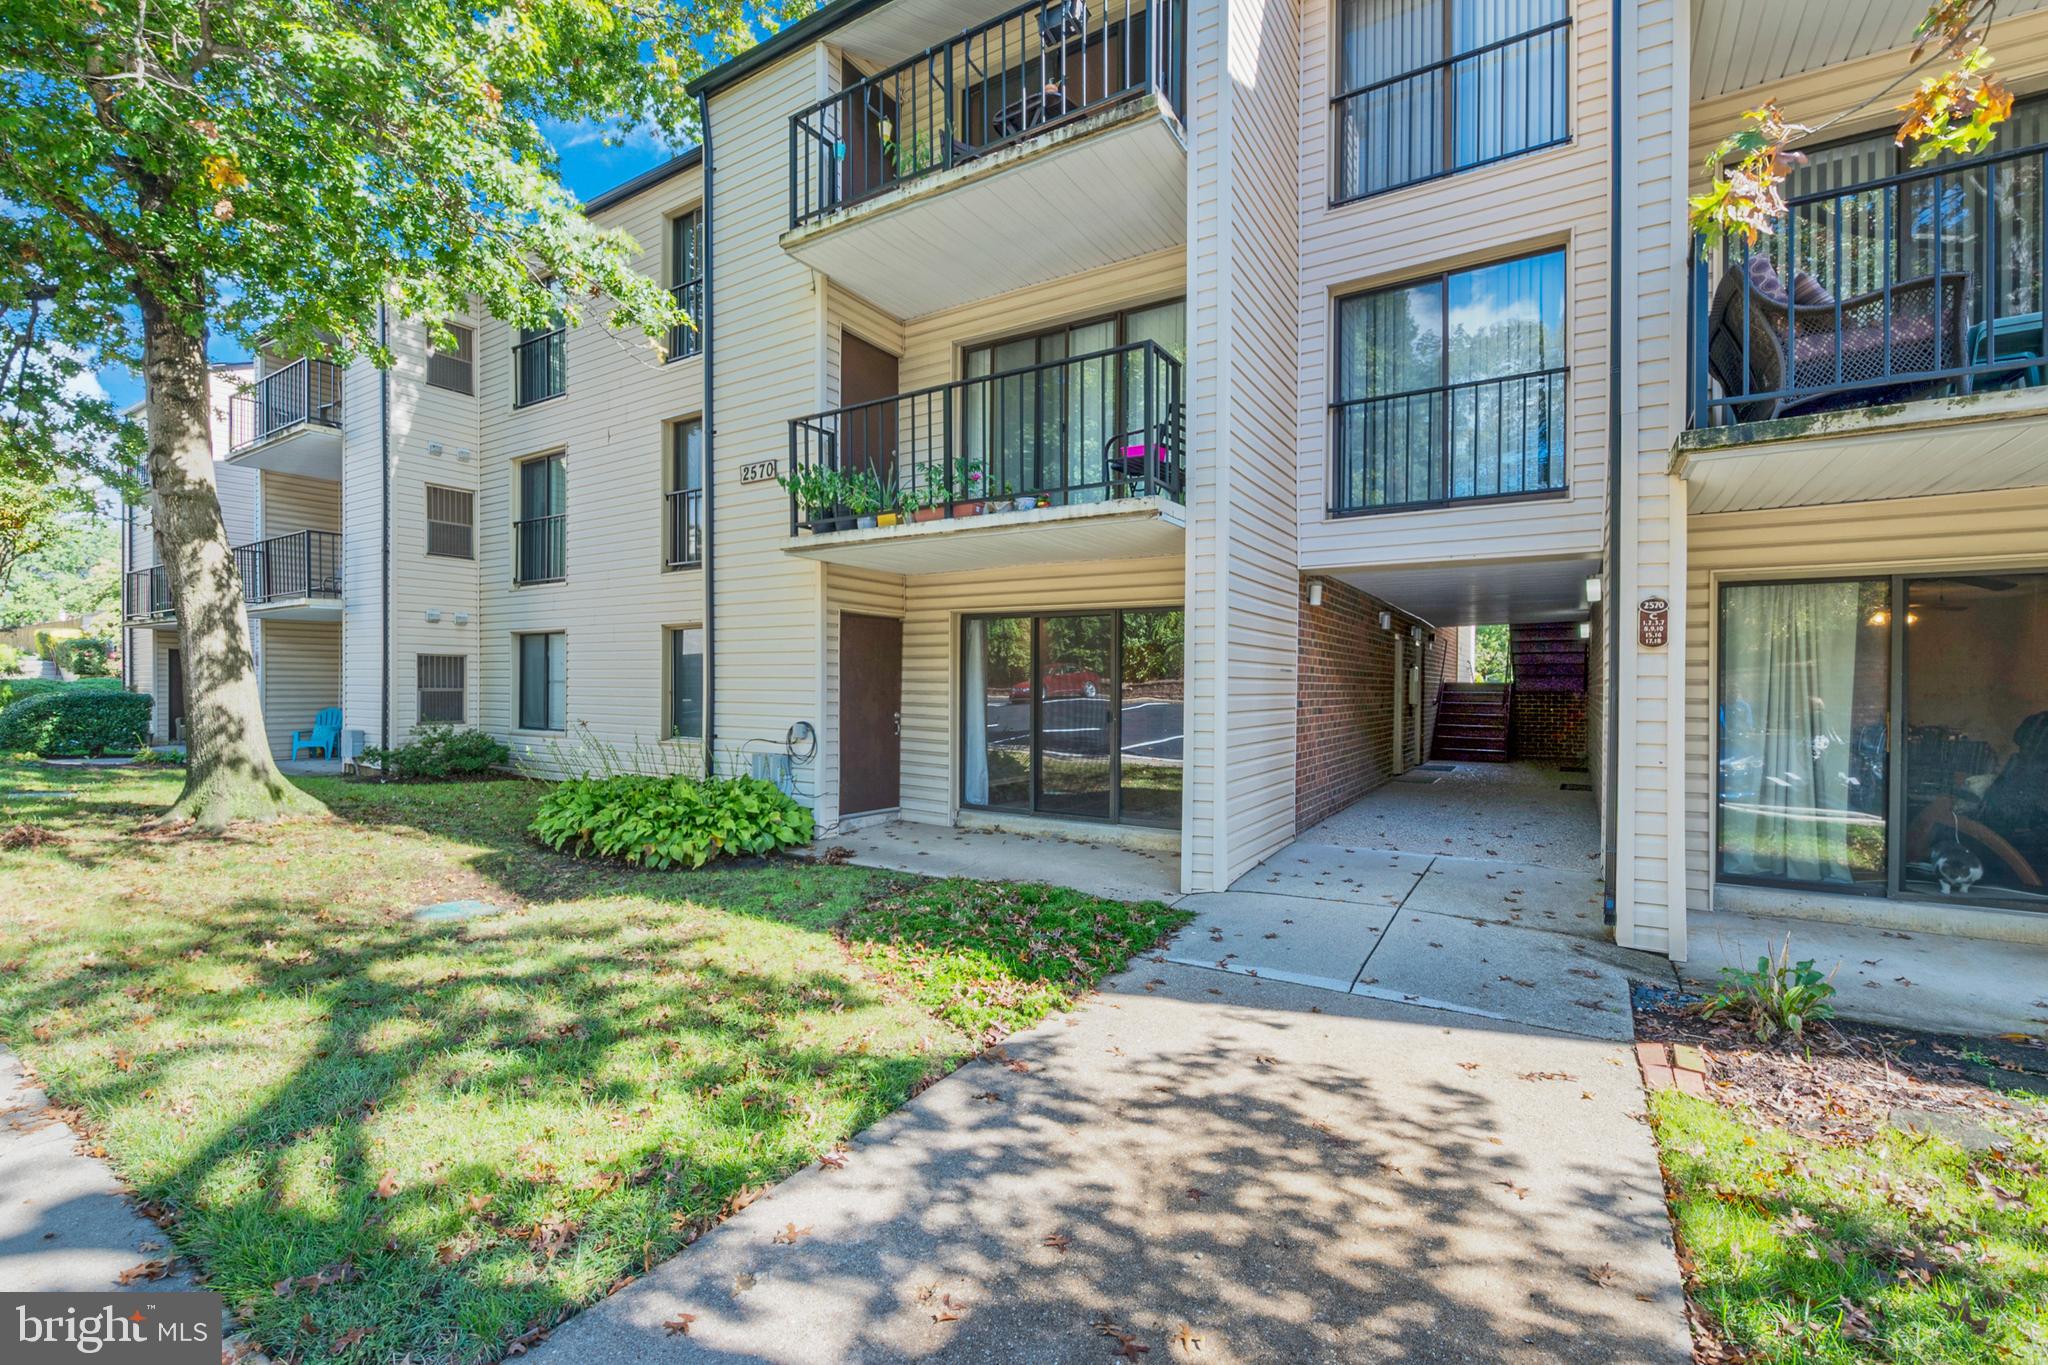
(348, 1339)
(789, 1234)
(1603, 1274)
(1186, 1339)
(1518, 1191)
(679, 1325)
(1056, 1240)
(387, 1185)
(148, 1270)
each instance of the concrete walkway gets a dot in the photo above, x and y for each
(1288, 1173)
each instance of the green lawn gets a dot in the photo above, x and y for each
(1905, 1248)
(379, 1137)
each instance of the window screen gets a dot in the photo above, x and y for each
(451, 521)
(443, 685)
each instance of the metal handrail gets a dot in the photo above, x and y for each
(302, 564)
(1918, 284)
(1424, 432)
(146, 595)
(1090, 428)
(540, 549)
(990, 86)
(536, 381)
(301, 393)
(1552, 119)
(685, 341)
(685, 528)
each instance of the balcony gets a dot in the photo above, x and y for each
(146, 597)
(1059, 120)
(289, 421)
(1072, 460)
(294, 577)
(1887, 341)
(685, 517)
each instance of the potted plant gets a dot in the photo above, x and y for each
(893, 508)
(820, 492)
(1044, 500)
(973, 488)
(863, 498)
(931, 497)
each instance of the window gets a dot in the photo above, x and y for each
(1451, 389)
(1059, 398)
(686, 285)
(686, 683)
(1886, 735)
(543, 682)
(451, 523)
(1432, 87)
(542, 531)
(685, 497)
(443, 687)
(1079, 716)
(454, 369)
(540, 360)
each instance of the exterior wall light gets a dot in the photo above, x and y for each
(1593, 587)
(1315, 592)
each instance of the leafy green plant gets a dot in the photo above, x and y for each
(439, 752)
(76, 721)
(10, 658)
(670, 821)
(861, 493)
(1779, 996)
(21, 689)
(87, 656)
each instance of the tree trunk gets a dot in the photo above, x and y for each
(231, 775)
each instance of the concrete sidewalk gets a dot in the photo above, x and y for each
(1288, 1173)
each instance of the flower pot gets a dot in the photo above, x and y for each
(822, 524)
(866, 523)
(888, 518)
(924, 514)
(966, 509)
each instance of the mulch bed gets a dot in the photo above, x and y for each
(1843, 1082)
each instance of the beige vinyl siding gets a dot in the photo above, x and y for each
(1242, 578)
(300, 665)
(931, 651)
(768, 328)
(1555, 198)
(1959, 532)
(611, 427)
(362, 550)
(422, 418)
(1650, 880)
(293, 502)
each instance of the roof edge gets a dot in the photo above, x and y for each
(646, 180)
(810, 28)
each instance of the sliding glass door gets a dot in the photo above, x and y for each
(1077, 716)
(1886, 736)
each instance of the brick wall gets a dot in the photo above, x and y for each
(1344, 733)
(1549, 726)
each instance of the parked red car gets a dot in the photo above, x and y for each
(1062, 682)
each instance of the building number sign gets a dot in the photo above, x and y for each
(1653, 622)
(761, 471)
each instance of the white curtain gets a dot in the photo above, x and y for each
(1788, 687)
(974, 716)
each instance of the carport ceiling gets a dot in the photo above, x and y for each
(1520, 593)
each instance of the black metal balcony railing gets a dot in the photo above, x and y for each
(1497, 100)
(1921, 284)
(684, 342)
(540, 549)
(146, 595)
(1087, 429)
(287, 568)
(993, 85)
(305, 392)
(540, 367)
(685, 507)
(1464, 442)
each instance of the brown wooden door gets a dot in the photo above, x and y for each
(870, 713)
(867, 437)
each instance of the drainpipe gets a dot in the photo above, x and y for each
(710, 483)
(1611, 599)
(384, 473)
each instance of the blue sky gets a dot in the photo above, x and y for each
(588, 168)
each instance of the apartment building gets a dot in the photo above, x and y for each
(1109, 419)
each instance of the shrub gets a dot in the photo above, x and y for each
(76, 721)
(670, 821)
(13, 690)
(1780, 996)
(10, 659)
(437, 752)
(88, 656)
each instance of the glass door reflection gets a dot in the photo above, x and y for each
(1076, 720)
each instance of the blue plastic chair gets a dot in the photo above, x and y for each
(324, 737)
